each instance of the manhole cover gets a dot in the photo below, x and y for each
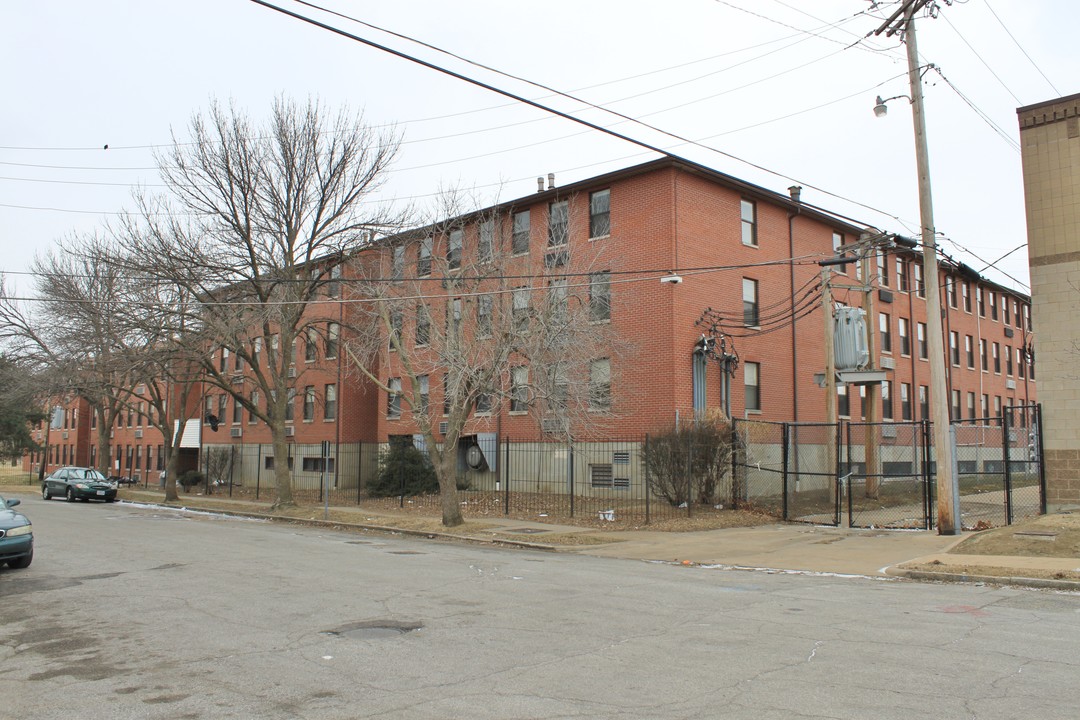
(527, 531)
(374, 629)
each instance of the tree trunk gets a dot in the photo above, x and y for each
(104, 458)
(446, 472)
(282, 473)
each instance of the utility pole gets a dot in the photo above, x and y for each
(871, 456)
(830, 363)
(948, 506)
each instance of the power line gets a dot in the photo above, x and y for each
(1018, 45)
(981, 59)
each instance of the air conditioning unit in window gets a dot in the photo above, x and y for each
(65, 434)
(888, 431)
(887, 363)
(237, 379)
(290, 431)
(236, 432)
(553, 425)
(138, 433)
(292, 371)
(1010, 384)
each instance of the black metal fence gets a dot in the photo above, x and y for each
(601, 482)
(883, 474)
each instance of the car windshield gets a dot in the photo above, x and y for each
(3, 503)
(88, 474)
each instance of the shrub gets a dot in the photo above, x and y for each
(403, 470)
(688, 462)
(190, 479)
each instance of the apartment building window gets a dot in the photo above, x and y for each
(138, 457)
(983, 355)
(485, 244)
(886, 400)
(965, 291)
(883, 268)
(997, 408)
(160, 458)
(223, 360)
(600, 214)
(238, 362)
(130, 452)
(905, 401)
(254, 404)
(329, 404)
(971, 405)
(423, 259)
(920, 284)
(453, 318)
(393, 398)
(560, 300)
(237, 411)
(484, 403)
(920, 329)
(969, 349)
(1005, 310)
(954, 347)
(600, 384)
(600, 296)
(207, 411)
(980, 297)
(1020, 363)
(748, 212)
(1008, 360)
(750, 302)
(558, 223)
(992, 297)
(752, 385)
(837, 243)
(397, 262)
(950, 290)
(924, 402)
(843, 403)
(423, 326)
(423, 383)
(93, 420)
(333, 288)
(985, 406)
(454, 248)
(333, 334)
(222, 407)
(996, 353)
(397, 320)
(522, 227)
(256, 351)
(311, 344)
(886, 332)
(956, 405)
(309, 403)
(519, 389)
(905, 337)
(290, 404)
(520, 310)
(483, 316)
(901, 275)
(1027, 317)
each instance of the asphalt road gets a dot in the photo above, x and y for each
(131, 612)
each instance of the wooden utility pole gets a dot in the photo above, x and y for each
(947, 491)
(872, 436)
(830, 362)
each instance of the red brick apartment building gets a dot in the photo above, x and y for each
(746, 254)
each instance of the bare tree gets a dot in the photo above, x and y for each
(256, 224)
(459, 303)
(72, 331)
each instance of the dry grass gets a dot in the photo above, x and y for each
(1055, 535)
(992, 571)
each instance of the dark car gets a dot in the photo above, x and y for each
(16, 536)
(78, 483)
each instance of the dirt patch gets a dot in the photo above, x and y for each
(1044, 536)
(991, 571)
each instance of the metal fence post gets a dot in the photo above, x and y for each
(359, 470)
(648, 481)
(571, 454)
(785, 440)
(232, 467)
(258, 470)
(1006, 428)
(506, 477)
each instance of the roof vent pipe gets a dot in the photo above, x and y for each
(796, 192)
(551, 181)
(539, 184)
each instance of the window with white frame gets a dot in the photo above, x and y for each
(748, 215)
(519, 389)
(521, 230)
(600, 384)
(752, 385)
(600, 214)
(558, 223)
(454, 244)
(393, 398)
(600, 296)
(750, 302)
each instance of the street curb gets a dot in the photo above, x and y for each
(1039, 583)
(426, 534)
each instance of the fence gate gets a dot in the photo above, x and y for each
(885, 475)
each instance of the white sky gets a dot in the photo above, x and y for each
(745, 74)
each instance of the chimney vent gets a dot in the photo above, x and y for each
(796, 192)
(551, 181)
(539, 184)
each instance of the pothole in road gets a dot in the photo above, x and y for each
(374, 629)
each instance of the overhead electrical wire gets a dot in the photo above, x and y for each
(1018, 45)
(997, 77)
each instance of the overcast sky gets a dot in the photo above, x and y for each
(782, 90)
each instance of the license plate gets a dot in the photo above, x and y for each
(100, 492)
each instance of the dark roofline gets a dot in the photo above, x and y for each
(1048, 103)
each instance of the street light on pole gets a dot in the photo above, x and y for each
(948, 502)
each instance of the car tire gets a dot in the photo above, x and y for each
(45, 494)
(70, 495)
(23, 562)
